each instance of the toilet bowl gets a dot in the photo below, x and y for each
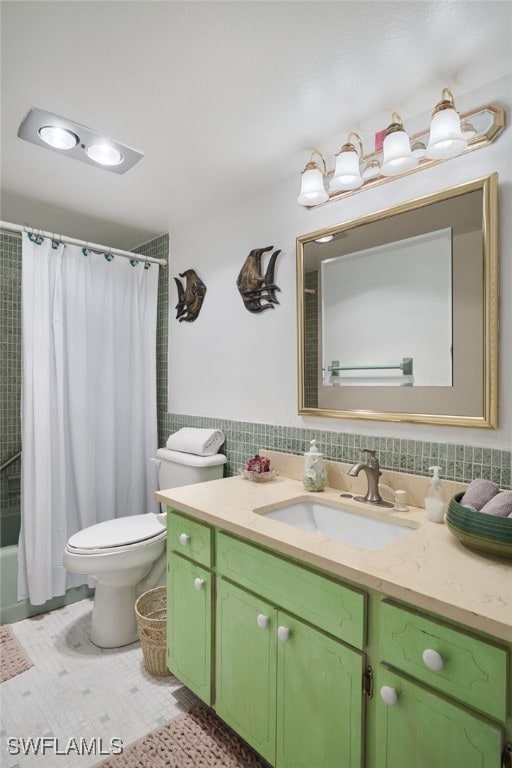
(127, 555)
(118, 554)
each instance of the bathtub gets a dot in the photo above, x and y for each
(12, 609)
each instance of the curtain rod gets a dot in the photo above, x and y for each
(73, 241)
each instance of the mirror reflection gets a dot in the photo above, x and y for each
(397, 312)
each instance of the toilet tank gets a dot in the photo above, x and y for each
(176, 468)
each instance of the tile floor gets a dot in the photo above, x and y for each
(79, 696)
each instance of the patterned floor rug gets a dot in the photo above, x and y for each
(197, 739)
(13, 659)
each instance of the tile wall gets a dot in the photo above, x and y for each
(10, 383)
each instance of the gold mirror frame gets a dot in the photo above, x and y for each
(488, 417)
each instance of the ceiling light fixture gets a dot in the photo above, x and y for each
(448, 136)
(77, 141)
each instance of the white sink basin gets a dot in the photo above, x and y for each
(341, 524)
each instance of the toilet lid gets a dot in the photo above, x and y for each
(119, 532)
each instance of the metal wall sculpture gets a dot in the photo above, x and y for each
(190, 297)
(258, 290)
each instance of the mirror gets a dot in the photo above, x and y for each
(397, 312)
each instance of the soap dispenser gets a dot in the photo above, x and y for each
(435, 499)
(315, 476)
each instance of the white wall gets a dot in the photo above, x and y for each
(232, 364)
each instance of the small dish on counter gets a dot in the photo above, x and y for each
(258, 477)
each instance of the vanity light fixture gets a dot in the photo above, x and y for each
(446, 139)
(448, 136)
(312, 189)
(347, 174)
(397, 149)
(77, 141)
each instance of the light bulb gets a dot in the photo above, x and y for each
(104, 154)
(57, 137)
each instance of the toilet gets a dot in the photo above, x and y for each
(127, 555)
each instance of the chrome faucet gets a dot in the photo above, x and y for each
(372, 470)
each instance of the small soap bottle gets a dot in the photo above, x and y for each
(435, 499)
(315, 476)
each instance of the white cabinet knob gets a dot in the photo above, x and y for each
(198, 583)
(389, 696)
(433, 660)
(283, 634)
(262, 621)
(184, 539)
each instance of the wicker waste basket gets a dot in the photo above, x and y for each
(151, 612)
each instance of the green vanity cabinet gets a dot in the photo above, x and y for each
(314, 672)
(289, 689)
(246, 656)
(440, 693)
(417, 727)
(319, 699)
(189, 606)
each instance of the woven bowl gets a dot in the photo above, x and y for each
(478, 530)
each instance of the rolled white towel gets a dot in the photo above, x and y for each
(202, 442)
(478, 493)
(500, 505)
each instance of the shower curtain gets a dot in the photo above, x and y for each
(89, 423)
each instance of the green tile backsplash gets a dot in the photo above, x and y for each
(459, 462)
(414, 456)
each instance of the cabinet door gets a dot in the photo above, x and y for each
(420, 728)
(246, 666)
(319, 699)
(189, 600)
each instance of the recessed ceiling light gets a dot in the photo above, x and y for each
(77, 141)
(58, 137)
(104, 154)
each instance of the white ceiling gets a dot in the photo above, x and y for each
(223, 98)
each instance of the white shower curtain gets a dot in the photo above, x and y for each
(89, 423)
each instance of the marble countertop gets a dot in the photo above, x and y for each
(428, 568)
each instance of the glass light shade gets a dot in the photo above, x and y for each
(372, 169)
(104, 154)
(346, 173)
(418, 149)
(446, 139)
(397, 154)
(312, 189)
(57, 137)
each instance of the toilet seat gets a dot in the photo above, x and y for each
(118, 535)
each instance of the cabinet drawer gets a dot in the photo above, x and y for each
(317, 599)
(189, 537)
(467, 668)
